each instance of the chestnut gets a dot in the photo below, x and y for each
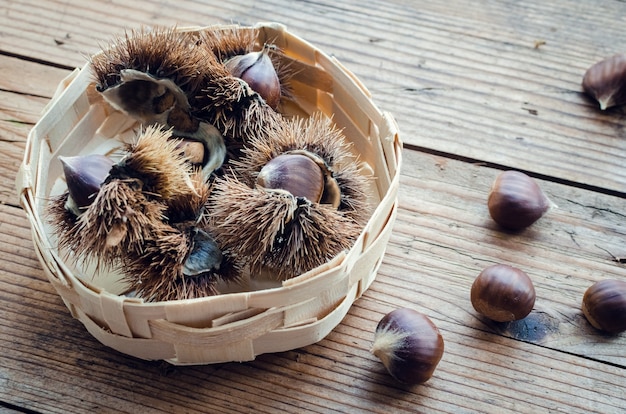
(84, 174)
(503, 293)
(605, 81)
(516, 201)
(302, 174)
(409, 345)
(604, 305)
(193, 151)
(295, 173)
(257, 70)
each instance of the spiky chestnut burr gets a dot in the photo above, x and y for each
(237, 111)
(237, 104)
(132, 196)
(277, 231)
(144, 220)
(230, 41)
(178, 263)
(179, 259)
(115, 223)
(323, 142)
(155, 77)
(264, 67)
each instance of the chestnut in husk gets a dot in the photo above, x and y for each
(257, 69)
(145, 219)
(84, 174)
(297, 199)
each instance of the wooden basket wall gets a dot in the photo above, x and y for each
(233, 326)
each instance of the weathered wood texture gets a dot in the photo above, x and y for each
(480, 81)
(472, 96)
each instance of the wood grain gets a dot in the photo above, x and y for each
(477, 85)
(25, 90)
(431, 261)
(473, 95)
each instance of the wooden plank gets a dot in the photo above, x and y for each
(471, 84)
(31, 79)
(462, 81)
(444, 231)
(442, 239)
(25, 89)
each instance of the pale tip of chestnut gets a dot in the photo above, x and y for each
(409, 345)
(516, 201)
(604, 305)
(302, 174)
(503, 293)
(192, 151)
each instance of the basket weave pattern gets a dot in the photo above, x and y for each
(232, 326)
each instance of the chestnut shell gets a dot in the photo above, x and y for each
(605, 81)
(604, 305)
(295, 173)
(503, 293)
(257, 70)
(84, 175)
(516, 201)
(417, 349)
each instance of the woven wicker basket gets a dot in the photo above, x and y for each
(233, 326)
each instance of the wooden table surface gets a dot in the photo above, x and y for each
(476, 88)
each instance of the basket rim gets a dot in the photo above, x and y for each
(343, 272)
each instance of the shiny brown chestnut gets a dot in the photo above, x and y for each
(604, 305)
(503, 293)
(409, 345)
(84, 174)
(303, 174)
(295, 173)
(605, 81)
(257, 70)
(516, 201)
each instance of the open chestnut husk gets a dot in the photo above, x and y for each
(516, 201)
(265, 70)
(145, 221)
(156, 77)
(409, 345)
(503, 293)
(604, 305)
(296, 200)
